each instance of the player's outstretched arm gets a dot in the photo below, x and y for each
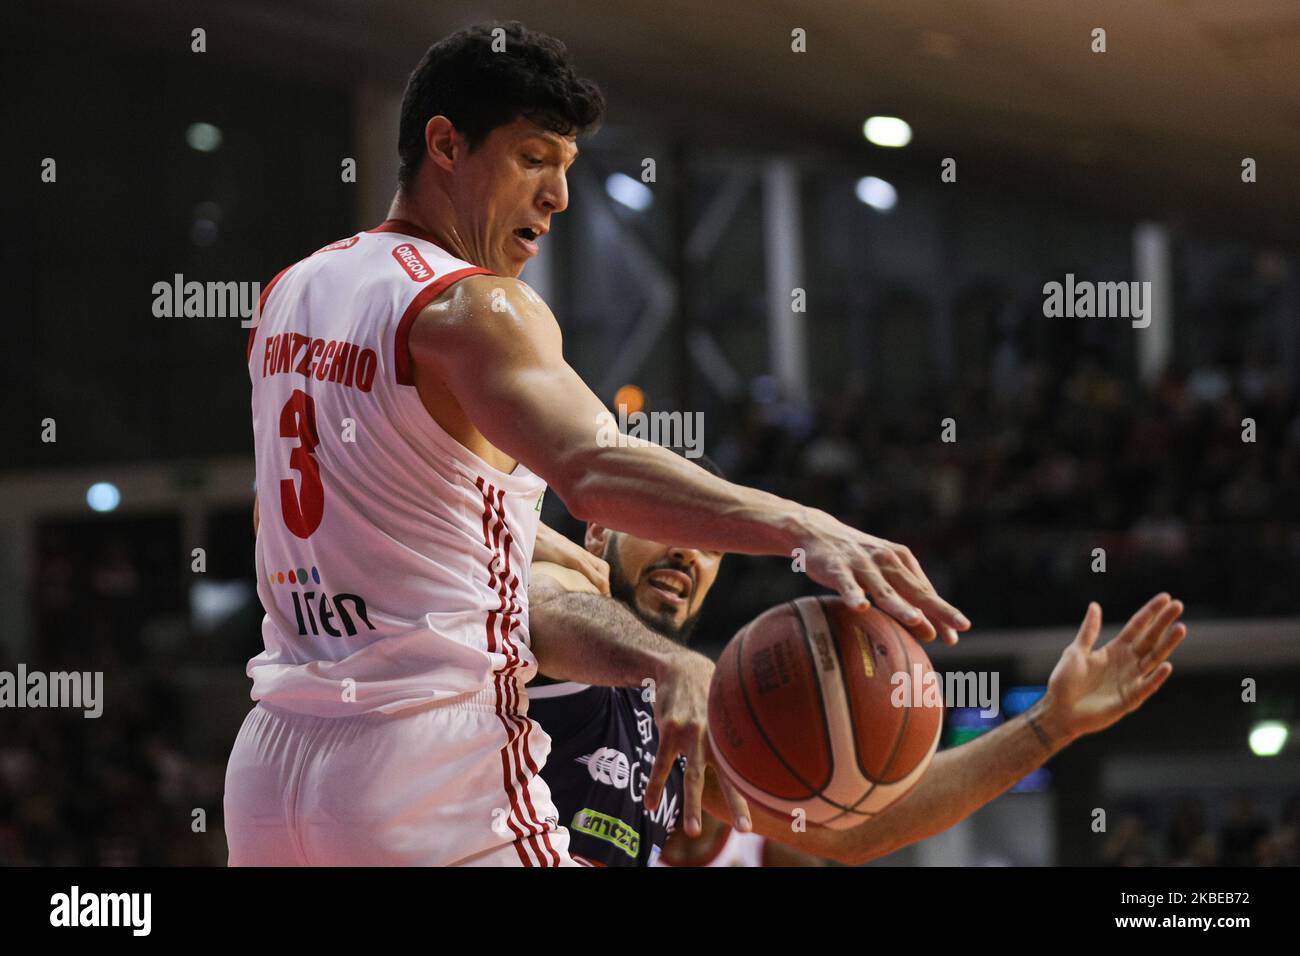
(1090, 689)
(577, 634)
(581, 635)
(496, 346)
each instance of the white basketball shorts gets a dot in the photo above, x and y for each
(450, 783)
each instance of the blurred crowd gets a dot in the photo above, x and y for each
(1179, 835)
(125, 789)
(1057, 486)
(141, 784)
(1036, 469)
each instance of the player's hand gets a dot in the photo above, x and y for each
(867, 571)
(1092, 687)
(681, 707)
(556, 548)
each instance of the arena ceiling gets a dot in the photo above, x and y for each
(1158, 125)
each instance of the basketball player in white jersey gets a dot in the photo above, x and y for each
(411, 403)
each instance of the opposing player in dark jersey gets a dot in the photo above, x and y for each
(604, 740)
(621, 794)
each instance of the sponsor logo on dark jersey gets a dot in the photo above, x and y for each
(610, 829)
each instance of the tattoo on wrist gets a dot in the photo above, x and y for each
(1042, 735)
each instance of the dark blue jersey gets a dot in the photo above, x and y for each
(603, 745)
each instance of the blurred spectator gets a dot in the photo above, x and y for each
(1241, 835)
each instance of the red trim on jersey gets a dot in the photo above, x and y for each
(490, 629)
(518, 729)
(405, 228)
(261, 304)
(487, 512)
(402, 339)
(523, 756)
(508, 623)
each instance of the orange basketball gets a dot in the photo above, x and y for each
(808, 711)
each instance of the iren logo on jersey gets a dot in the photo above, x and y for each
(317, 611)
(412, 263)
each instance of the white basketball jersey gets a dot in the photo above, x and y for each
(392, 562)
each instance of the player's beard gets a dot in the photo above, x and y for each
(622, 589)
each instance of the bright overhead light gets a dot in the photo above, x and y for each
(204, 137)
(877, 193)
(887, 131)
(103, 496)
(1267, 738)
(629, 192)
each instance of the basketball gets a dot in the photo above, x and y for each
(812, 708)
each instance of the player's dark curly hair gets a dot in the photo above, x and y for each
(462, 78)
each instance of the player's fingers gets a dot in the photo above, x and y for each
(846, 585)
(887, 599)
(1158, 628)
(1090, 627)
(1149, 685)
(674, 742)
(693, 786)
(1162, 649)
(1143, 617)
(943, 614)
(938, 612)
(947, 632)
(670, 747)
(597, 572)
(737, 804)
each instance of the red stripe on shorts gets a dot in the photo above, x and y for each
(506, 700)
(507, 625)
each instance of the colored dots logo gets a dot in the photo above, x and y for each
(295, 576)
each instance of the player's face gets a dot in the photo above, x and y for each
(665, 585)
(512, 185)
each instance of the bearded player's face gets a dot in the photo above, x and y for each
(664, 585)
(510, 187)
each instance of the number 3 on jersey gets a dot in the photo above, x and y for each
(303, 502)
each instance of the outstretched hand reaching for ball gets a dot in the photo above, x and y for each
(1092, 687)
(868, 571)
(682, 716)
